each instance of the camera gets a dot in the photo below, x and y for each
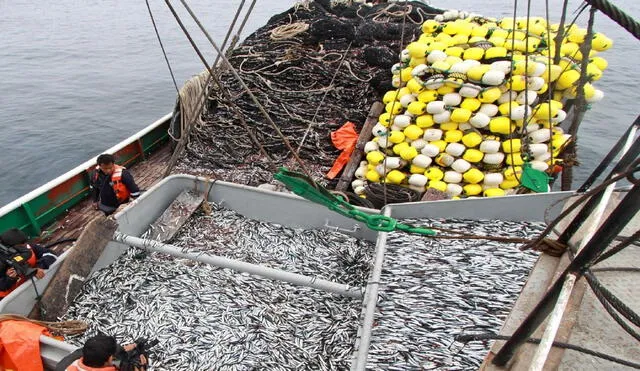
(130, 360)
(17, 259)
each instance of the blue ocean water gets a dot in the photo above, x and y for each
(78, 76)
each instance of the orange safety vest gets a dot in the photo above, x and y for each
(121, 191)
(32, 261)
(77, 365)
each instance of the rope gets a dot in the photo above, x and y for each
(288, 31)
(616, 269)
(513, 48)
(395, 101)
(73, 327)
(617, 15)
(465, 338)
(164, 53)
(554, 248)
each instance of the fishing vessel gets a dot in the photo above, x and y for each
(408, 299)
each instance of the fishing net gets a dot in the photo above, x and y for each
(289, 65)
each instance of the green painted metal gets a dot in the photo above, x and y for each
(34, 215)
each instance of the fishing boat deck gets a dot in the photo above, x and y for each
(145, 173)
(585, 322)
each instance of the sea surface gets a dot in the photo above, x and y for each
(78, 76)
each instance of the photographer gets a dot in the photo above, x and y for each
(102, 353)
(20, 252)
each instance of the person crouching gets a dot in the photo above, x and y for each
(111, 185)
(35, 256)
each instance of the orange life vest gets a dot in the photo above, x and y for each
(32, 261)
(77, 365)
(121, 191)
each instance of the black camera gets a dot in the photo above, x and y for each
(17, 258)
(130, 360)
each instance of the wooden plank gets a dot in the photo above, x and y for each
(363, 138)
(68, 280)
(174, 217)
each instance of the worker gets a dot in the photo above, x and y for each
(111, 185)
(19, 251)
(99, 354)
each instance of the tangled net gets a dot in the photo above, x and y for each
(293, 77)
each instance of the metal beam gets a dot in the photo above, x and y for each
(240, 266)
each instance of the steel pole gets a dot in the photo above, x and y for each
(240, 266)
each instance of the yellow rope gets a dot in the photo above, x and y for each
(288, 31)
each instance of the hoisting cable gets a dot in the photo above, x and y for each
(178, 151)
(231, 26)
(611, 303)
(617, 15)
(242, 83)
(164, 53)
(236, 37)
(215, 79)
(580, 107)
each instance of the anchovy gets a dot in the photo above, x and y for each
(208, 318)
(432, 290)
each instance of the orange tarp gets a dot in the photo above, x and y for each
(345, 139)
(20, 345)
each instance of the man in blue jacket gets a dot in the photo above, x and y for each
(111, 185)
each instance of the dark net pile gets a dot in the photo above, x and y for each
(290, 78)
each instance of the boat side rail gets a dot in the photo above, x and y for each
(44, 204)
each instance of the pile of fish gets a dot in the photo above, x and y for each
(208, 318)
(434, 289)
(211, 318)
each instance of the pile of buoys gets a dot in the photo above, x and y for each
(472, 105)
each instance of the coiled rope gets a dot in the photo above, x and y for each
(381, 194)
(288, 31)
